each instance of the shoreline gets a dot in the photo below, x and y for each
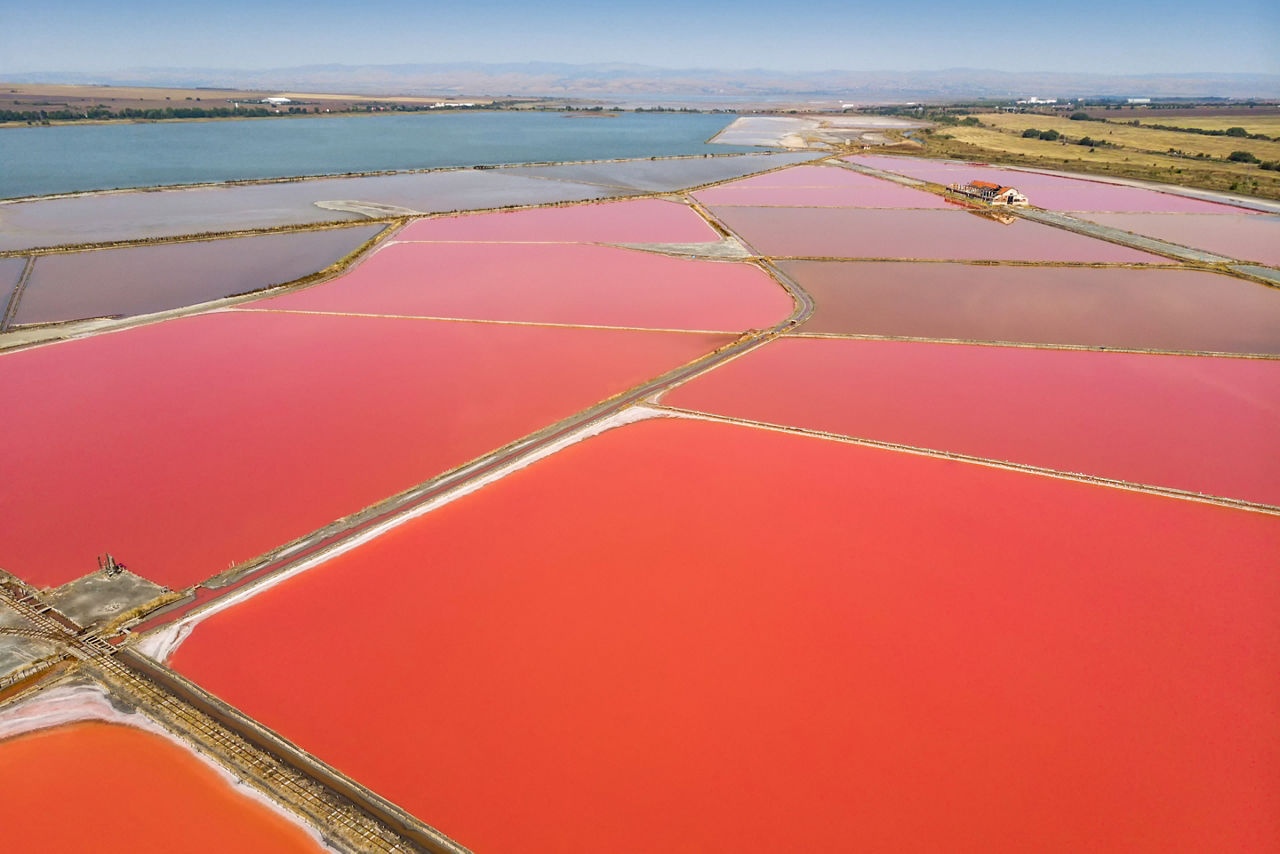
(332, 115)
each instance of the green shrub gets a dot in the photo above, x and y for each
(1242, 157)
(1079, 117)
(1050, 135)
(1237, 131)
(1031, 133)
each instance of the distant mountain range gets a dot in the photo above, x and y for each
(622, 81)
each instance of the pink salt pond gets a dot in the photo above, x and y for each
(907, 234)
(1055, 192)
(1245, 237)
(641, 221)
(552, 283)
(1193, 423)
(818, 186)
(1153, 309)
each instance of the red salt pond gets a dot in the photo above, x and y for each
(1056, 192)
(108, 789)
(556, 283)
(944, 235)
(187, 446)
(1245, 237)
(1195, 423)
(684, 636)
(1096, 306)
(642, 221)
(818, 186)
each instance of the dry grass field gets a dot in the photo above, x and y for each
(983, 143)
(1138, 139)
(1269, 125)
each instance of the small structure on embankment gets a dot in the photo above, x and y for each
(988, 192)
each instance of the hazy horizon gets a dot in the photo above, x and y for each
(1093, 36)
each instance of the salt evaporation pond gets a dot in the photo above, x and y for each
(1194, 423)
(552, 283)
(1246, 237)
(1057, 192)
(10, 272)
(187, 446)
(817, 186)
(114, 789)
(144, 279)
(877, 651)
(106, 217)
(940, 234)
(658, 176)
(638, 221)
(1100, 307)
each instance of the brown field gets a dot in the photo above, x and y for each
(1269, 125)
(1137, 139)
(982, 143)
(1159, 115)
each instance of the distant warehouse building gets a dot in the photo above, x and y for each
(991, 193)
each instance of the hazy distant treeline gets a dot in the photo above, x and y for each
(99, 113)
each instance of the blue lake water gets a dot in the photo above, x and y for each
(68, 158)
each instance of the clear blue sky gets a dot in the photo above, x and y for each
(1030, 35)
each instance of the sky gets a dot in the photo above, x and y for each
(1104, 36)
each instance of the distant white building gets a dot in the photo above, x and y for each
(1039, 101)
(275, 102)
(1137, 100)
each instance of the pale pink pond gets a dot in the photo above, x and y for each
(642, 221)
(818, 186)
(1195, 423)
(1055, 192)
(934, 234)
(1247, 237)
(1157, 309)
(552, 283)
(800, 177)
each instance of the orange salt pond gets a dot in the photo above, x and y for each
(556, 283)
(935, 234)
(117, 790)
(1193, 423)
(1156, 309)
(686, 636)
(642, 221)
(187, 446)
